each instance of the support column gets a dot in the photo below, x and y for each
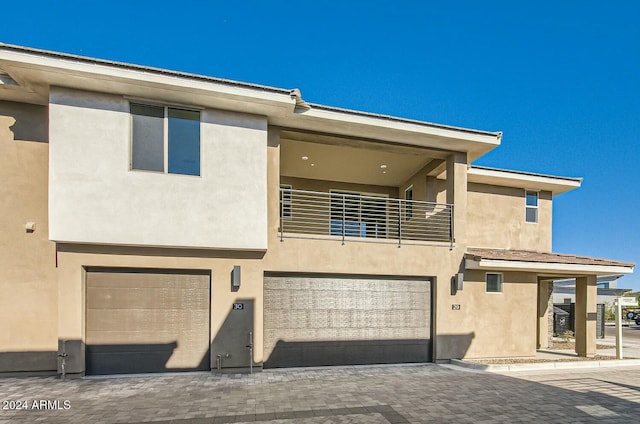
(586, 294)
(545, 314)
(457, 194)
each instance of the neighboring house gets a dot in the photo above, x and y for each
(154, 220)
(564, 291)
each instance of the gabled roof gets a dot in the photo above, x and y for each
(546, 262)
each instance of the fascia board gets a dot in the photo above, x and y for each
(557, 268)
(63, 68)
(372, 127)
(556, 185)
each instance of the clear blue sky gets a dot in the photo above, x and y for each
(561, 79)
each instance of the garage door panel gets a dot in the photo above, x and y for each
(147, 298)
(143, 320)
(149, 279)
(147, 321)
(312, 320)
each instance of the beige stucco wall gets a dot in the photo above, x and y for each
(327, 186)
(73, 259)
(501, 324)
(28, 292)
(496, 219)
(96, 198)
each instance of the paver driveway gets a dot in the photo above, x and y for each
(379, 394)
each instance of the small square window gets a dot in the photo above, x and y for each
(494, 283)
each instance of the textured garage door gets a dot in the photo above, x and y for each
(147, 321)
(338, 320)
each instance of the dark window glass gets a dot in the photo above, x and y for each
(494, 283)
(147, 150)
(532, 198)
(184, 142)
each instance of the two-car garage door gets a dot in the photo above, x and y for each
(316, 320)
(141, 321)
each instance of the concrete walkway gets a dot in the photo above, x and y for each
(371, 394)
(566, 359)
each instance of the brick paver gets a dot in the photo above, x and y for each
(340, 395)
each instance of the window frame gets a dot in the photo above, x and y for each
(529, 207)
(501, 282)
(165, 135)
(408, 206)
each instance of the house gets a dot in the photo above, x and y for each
(564, 291)
(154, 220)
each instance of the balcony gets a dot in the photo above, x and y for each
(355, 217)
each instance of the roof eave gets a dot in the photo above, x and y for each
(519, 179)
(42, 69)
(554, 268)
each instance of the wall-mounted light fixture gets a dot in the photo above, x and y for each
(30, 227)
(456, 282)
(235, 277)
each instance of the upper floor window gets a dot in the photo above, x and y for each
(494, 283)
(165, 139)
(531, 208)
(408, 205)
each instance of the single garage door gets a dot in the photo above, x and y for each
(143, 321)
(317, 320)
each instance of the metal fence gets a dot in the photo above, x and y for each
(570, 308)
(351, 216)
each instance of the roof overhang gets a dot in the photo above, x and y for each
(545, 264)
(34, 71)
(525, 180)
(549, 268)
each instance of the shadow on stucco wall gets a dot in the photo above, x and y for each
(27, 122)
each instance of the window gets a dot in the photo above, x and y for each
(408, 205)
(165, 139)
(494, 283)
(285, 201)
(531, 208)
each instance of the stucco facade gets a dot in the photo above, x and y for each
(66, 158)
(27, 258)
(90, 153)
(505, 226)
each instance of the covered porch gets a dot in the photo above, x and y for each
(548, 267)
(361, 189)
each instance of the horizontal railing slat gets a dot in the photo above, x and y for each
(352, 216)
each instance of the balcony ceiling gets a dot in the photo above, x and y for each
(352, 161)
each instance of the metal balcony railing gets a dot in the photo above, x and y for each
(352, 217)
